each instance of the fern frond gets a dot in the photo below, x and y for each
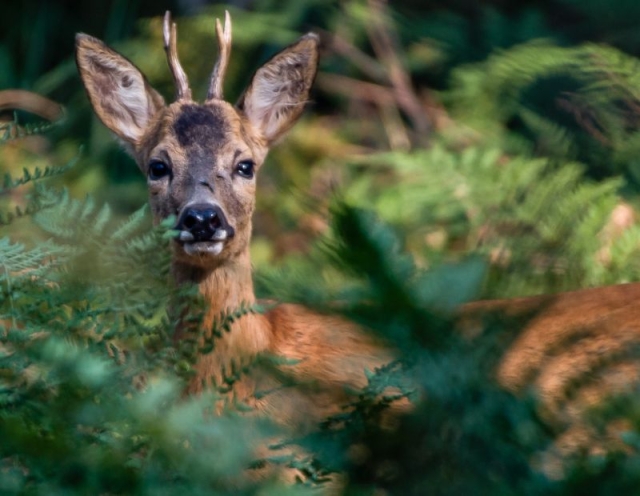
(522, 212)
(13, 130)
(131, 225)
(17, 261)
(36, 174)
(580, 102)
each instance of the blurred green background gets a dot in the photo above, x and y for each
(446, 118)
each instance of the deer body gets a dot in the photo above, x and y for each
(564, 337)
(201, 161)
(326, 353)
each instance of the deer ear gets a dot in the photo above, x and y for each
(278, 91)
(119, 93)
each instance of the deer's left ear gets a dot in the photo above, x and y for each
(280, 88)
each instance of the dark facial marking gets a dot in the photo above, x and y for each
(207, 185)
(200, 125)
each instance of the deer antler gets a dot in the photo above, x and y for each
(224, 46)
(170, 47)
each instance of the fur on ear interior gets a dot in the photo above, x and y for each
(280, 88)
(119, 93)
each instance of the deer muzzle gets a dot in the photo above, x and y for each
(203, 228)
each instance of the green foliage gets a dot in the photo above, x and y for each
(564, 102)
(539, 221)
(465, 434)
(12, 130)
(515, 196)
(90, 379)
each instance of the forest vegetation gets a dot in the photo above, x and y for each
(452, 151)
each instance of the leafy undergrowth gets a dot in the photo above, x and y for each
(509, 199)
(91, 380)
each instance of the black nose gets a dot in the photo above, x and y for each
(203, 221)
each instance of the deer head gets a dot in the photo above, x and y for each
(200, 159)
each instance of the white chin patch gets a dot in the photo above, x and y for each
(204, 247)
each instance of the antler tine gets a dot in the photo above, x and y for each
(224, 47)
(170, 47)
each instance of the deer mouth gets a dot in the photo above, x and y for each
(197, 246)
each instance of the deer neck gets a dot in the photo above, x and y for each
(225, 289)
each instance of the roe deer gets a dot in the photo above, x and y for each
(201, 162)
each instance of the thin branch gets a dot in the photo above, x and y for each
(354, 88)
(365, 63)
(385, 46)
(31, 102)
(381, 96)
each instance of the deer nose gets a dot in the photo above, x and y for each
(203, 222)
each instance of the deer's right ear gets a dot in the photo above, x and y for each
(280, 88)
(119, 93)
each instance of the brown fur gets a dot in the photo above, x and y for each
(564, 336)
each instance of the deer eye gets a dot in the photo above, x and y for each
(158, 170)
(245, 169)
